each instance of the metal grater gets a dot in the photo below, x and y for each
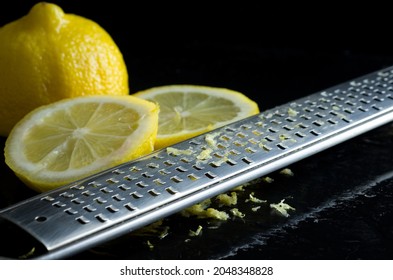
(104, 206)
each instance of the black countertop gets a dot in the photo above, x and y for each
(343, 196)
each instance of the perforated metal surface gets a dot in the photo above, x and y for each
(135, 194)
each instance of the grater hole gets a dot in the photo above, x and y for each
(319, 115)
(218, 155)
(101, 218)
(158, 156)
(197, 167)
(106, 190)
(231, 162)
(124, 187)
(164, 172)
(314, 132)
(141, 184)
(176, 179)
(136, 195)
(317, 123)
(210, 175)
(66, 195)
(130, 207)
(117, 172)
(153, 192)
(302, 125)
(300, 135)
(181, 169)
(260, 124)
(257, 132)
(321, 107)
(245, 126)
(83, 220)
(118, 197)
(100, 200)
(250, 150)
(129, 178)
(281, 146)
(247, 160)
(153, 165)
(77, 201)
(89, 208)
(112, 181)
(77, 187)
(239, 144)
(225, 138)
(147, 175)
(253, 141)
(40, 219)
(185, 160)
(241, 135)
(169, 163)
(193, 177)
(348, 111)
(216, 164)
(48, 198)
(135, 169)
(275, 122)
(234, 152)
(222, 146)
(112, 209)
(70, 211)
(159, 182)
(230, 129)
(265, 147)
(171, 190)
(87, 193)
(94, 184)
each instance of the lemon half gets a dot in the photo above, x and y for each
(189, 110)
(67, 140)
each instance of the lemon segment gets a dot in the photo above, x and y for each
(48, 55)
(189, 110)
(70, 139)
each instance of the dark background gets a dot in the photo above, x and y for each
(273, 55)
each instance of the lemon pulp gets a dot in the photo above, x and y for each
(71, 139)
(190, 110)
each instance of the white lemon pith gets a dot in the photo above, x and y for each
(73, 138)
(190, 110)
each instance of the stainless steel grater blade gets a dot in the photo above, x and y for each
(104, 206)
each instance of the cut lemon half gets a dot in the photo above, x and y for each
(67, 140)
(189, 110)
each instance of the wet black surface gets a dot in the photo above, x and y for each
(343, 196)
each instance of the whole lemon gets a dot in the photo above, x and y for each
(48, 55)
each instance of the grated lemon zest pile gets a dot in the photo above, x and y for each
(226, 200)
